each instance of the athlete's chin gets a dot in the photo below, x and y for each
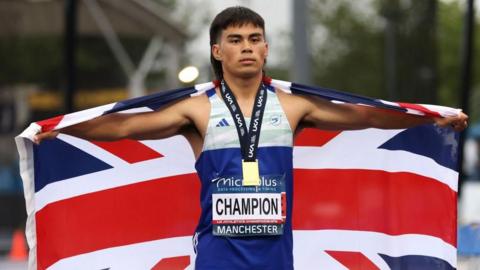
(249, 73)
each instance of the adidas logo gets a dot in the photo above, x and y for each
(223, 123)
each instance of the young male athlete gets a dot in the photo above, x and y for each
(242, 133)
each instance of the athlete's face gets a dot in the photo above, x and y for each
(242, 51)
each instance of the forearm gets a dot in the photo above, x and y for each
(352, 117)
(104, 128)
(387, 119)
(323, 114)
(116, 126)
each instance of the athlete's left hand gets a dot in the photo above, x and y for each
(458, 122)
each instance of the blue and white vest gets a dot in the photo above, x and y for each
(240, 227)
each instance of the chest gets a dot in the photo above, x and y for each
(221, 131)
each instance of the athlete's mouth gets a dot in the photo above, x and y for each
(247, 60)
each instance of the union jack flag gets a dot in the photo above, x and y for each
(368, 199)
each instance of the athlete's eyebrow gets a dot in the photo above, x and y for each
(256, 35)
(234, 35)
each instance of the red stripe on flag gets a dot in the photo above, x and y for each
(51, 123)
(131, 151)
(314, 137)
(379, 201)
(120, 216)
(353, 260)
(267, 80)
(175, 263)
(419, 108)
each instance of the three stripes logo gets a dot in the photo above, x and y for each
(223, 123)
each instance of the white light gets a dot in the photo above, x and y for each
(188, 74)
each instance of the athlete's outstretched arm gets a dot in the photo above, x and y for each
(323, 114)
(350, 116)
(148, 125)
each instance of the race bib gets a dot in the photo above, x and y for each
(239, 210)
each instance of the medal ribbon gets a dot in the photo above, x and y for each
(249, 138)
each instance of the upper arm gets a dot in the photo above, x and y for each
(159, 124)
(310, 111)
(324, 114)
(168, 121)
(321, 113)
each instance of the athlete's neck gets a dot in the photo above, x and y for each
(244, 89)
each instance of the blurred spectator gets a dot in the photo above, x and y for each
(469, 240)
(469, 247)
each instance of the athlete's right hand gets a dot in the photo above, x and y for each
(49, 135)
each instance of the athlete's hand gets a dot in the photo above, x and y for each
(458, 122)
(48, 135)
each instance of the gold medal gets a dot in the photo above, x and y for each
(251, 176)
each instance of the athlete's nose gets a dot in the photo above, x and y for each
(246, 47)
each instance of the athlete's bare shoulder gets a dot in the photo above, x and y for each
(198, 105)
(197, 110)
(294, 106)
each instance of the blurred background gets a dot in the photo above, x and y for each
(59, 56)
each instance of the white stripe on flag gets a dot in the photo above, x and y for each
(282, 85)
(81, 116)
(25, 151)
(444, 111)
(201, 88)
(93, 150)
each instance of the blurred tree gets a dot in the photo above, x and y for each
(414, 24)
(404, 50)
(346, 47)
(450, 31)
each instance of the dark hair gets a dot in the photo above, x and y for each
(232, 16)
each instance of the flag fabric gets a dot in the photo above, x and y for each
(367, 199)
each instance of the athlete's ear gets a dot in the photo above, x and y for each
(266, 50)
(216, 52)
